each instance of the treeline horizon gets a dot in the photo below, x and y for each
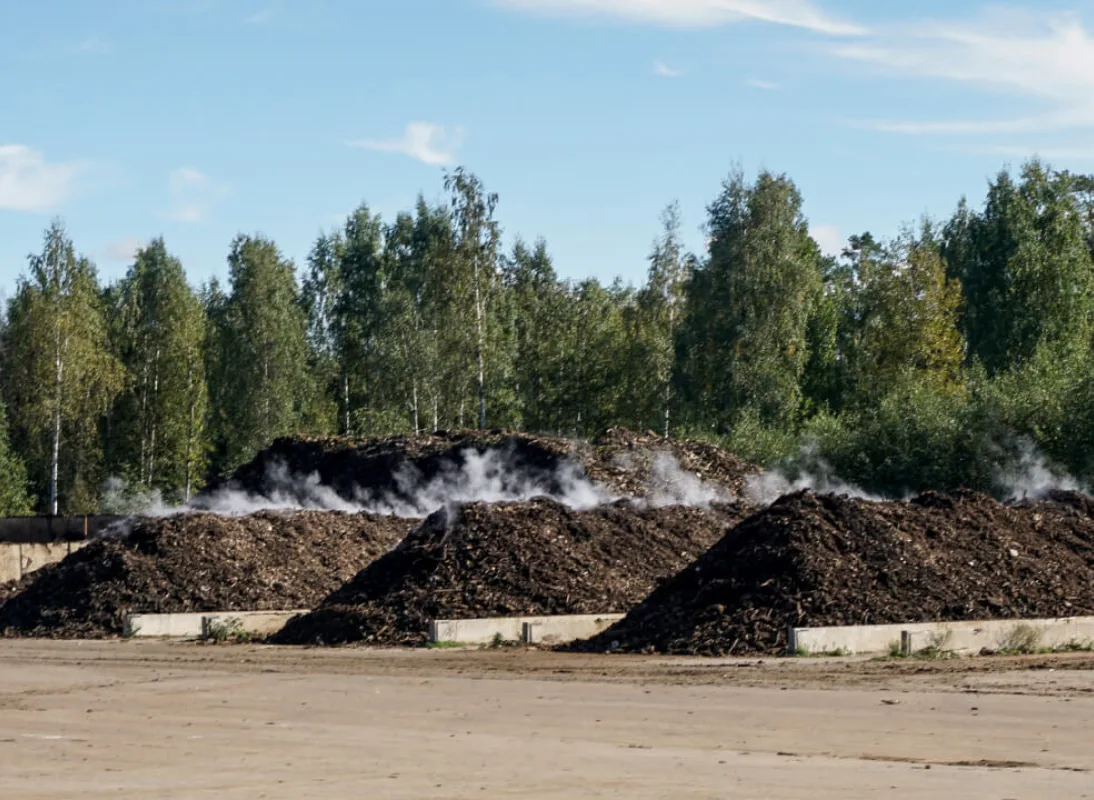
(935, 359)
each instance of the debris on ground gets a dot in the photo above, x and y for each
(513, 559)
(821, 560)
(197, 562)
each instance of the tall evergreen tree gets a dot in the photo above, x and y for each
(320, 292)
(1025, 267)
(541, 306)
(61, 375)
(750, 305)
(261, 383)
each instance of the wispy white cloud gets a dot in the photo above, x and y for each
(767, 86)
(92, 46)
(1049, 60)
(665, 71)
(1031, 151)
(193, 194)
(124, 249)
(830, 239)
(259, 17)
(29, 183)
(697, 13)
(424, 141)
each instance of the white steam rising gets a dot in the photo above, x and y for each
(491, 476)
(488, 477)
(811, 472)
(1030, 477)
(670, 485)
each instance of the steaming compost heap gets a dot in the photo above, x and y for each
(512, 559)
(414, 475)
(197, 562)
(818, 560)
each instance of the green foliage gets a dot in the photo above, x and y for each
(14, 497)
(259, 382)
(157, 427)
(947, 356)
(60, 376)
(1025, 265)
(750, 305)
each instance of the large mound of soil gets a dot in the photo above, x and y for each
(813, 560)
(197, 562)
(511, 559)
(395, 469)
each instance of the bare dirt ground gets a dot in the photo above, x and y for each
(153, 720)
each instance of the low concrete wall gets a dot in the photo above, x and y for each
(557, 630)
(254, 623)
(477, 631)
(531, 630)
(189, 626)
(19, 560)
(955, 637)
(46, 529)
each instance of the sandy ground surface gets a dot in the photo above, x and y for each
(154, 720)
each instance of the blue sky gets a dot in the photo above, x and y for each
(197, 119)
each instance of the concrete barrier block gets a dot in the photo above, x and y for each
(178, 626)
(532, 630)
(477, 631)
(36, 556)
(1006, 635)
(250, 623)
(10, 563)
(558, 630)
(947, 637)
(205, 623)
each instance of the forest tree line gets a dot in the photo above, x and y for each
(933, 359)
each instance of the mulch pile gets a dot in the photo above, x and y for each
(818, 560)
(197, 562)
(511, 559)
(621, 461)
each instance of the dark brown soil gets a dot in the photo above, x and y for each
(511, 559)
(621, 461)
(812, 560)
(197, 562)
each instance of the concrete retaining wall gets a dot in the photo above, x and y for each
(531, 630)
(191, 626)
(19, 560)
(952, 637)
(557, 630)
(46, 529)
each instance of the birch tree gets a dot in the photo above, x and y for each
(475, 265)
(62, 375)
(158, 423)
(659, 310)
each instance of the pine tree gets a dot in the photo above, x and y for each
(1025, 267)
(749, 305)
(261, 384)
